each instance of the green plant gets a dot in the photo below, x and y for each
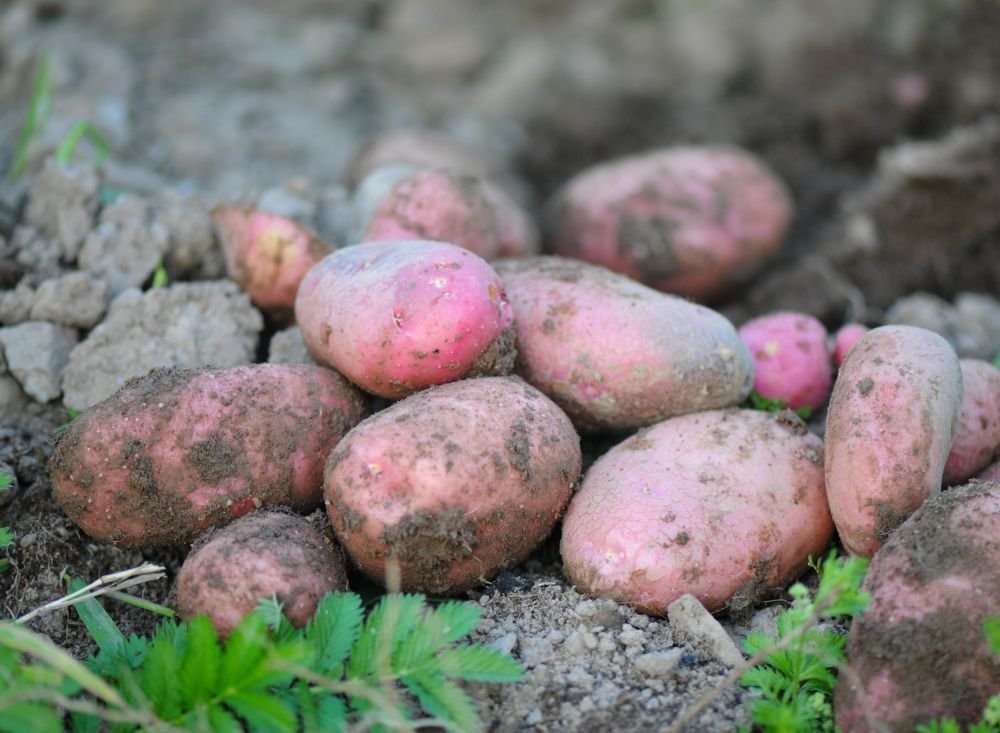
(6, 536)
(82, 130)
(36, 117)
(757, 401)
(71, 415)
(160, 277)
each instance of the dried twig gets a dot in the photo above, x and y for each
(105, 584)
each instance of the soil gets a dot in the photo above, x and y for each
(879, 115)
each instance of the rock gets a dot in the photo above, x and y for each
(62, 203)
(505, 644)
(36, 353)
(293, 201)
(16, 304)
(13, 400)
(37, 254)
(659, 664)
(185, 325)
(973, 330)
(984, 311)
(192, 252)
(76, 300)
(288, 347)
(692, 623)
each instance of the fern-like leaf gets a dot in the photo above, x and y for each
(444, 699)
(263, 712)
(199, 672)
(459, 619)
(159, 674)
(479, 663)
(334, 629)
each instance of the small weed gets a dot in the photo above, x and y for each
(757, 401)
(83, 130)
(6, 536)
(160, 277)
(71, 415)
(36, 117)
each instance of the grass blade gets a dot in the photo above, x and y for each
(38, 114)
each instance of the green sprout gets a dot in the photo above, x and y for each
(6, 536)
(160, 277)
(37, 116)
(757, 401)
(82, 130)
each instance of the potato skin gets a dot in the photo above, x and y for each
(260, 555)
(978, 434)
(457, 482)
(890, 425)
(844, 340)
(990, 473)
(615, 354)
(396, 317)
(685, 220)
(177, 451)
(919, 651)
(726, 505)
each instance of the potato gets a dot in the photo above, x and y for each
(844, 340)
(990, 473)
(977, 436)
(790, 357)
(177, 451)
(615, 354)
(262, 555)
(890, 424)
(726, 505)
(919, 651)
(396, 317)
(417, 148)
(456, 483)
(405, 202)
(686, 220)
(266, 254)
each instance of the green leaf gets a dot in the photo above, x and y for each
(263, 712)
(33, 717)
(222, 721)
(272, 611)
(459, 618)
(82, 130)
(160, 277)
(159, 675)
(992, 628)
(444, 699)
(479, 663)
(36, 117)
(334, 629)
(101, 626)
(996, 361)
(6, 537)
(82, 723)
(199, 672)
(244, 651)
(6, 480)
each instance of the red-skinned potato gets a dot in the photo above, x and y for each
(726, 505)
(977, 436)
(844, 340)
(455, 483)
(686, 220)
(990, 473)
(262, 555)
(177, 451)
(889, 428)
(919, 651)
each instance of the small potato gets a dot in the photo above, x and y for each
(405, 202)
(919, 651)
(615, 354)
(416, 148)
(977, 436)
(261, 555)
(790, 357)
(177, 451)
(890, 425)
(844, 340)
(396, 317)
(455, 483)
(687, 220)
(266, 254)
(726, 505)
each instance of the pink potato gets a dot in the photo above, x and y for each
(262, 555)
(404, 202)
(977, 436)
(686, 220)
(844, 340)
(415, 148)
(266, 254)
(791, 360)
(919, 651)
(615, 354)
(455, 483)
(396, 317)
(890, 425)
(990, 473)
(726, 505)
(177, 451)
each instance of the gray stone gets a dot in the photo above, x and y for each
(16, 304)
(505, 644)
(62, 203)
(287, 347)
(971, 326)
(75, 300)
(982, 312)
(691, 622)
(184, 324)
(294, 201)
(36, 354)
(659, 664)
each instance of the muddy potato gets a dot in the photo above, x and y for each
(456, 483)
(726, 505)
(262, 555)
(889, 428)
(178, 450)
(615, 354)
(919, 651)
(977, 436)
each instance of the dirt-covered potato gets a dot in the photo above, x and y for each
(889, 428)
(686, 220)
(179, 450)
(978, 434)
(615, 354)
(726, 505)
(919, 651)
(262, 555)
(396, 317)
(456, 483)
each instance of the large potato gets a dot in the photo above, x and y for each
(683, 220)
(890, 425)
(456, 483)
(919, 651)
(615, 354)
(977, 436)
(177, 450)
(726, 505)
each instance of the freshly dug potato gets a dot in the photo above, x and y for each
(977, 436)
(396, 317)
(266, 254)
(790, 357)
(890, 424)
(844, 340)
(615, 354)
(726, 505)
(177, 451)
(456, 483)
(405, 202)
(686, 220)
(261, 555)
(919, 651)
(417, 148)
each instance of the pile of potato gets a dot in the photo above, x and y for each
(499, 367)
